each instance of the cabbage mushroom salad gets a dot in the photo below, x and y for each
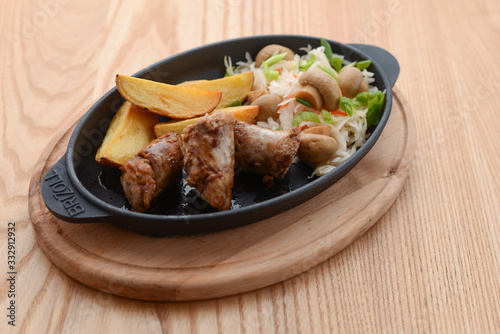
(329, 98)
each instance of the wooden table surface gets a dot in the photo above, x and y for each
(432, 262)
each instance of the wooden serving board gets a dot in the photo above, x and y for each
(124, 263)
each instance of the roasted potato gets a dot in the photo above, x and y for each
(131, 129)
(190, 83)
(234, 88)
(173, 101)
(243, 113)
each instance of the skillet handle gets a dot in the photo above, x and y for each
(386, 60)
(63, 200)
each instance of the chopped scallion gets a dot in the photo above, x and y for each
(361, 65)
(305, 116)
(272, 75)
(364, 97)
(374, 110)
(346, 105)
(374, 101)
(274, 59)
(329, 71)
(304, 102)
(328, 50)
(327, 117)
(305, 64)
(337, 64)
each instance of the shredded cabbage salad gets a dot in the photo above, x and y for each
(281, 77)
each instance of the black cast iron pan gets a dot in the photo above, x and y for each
(79, 190)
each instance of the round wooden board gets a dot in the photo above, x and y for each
(124, 263)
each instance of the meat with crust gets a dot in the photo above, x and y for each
(208, 147)
(263, 151)
(153, 169)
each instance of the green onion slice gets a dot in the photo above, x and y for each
(272, 75)
(327, 117)
(374, 110)
(375, 102)
(304, 102)
(361, 65)
(305, 64)
(305, 116)
(364, 98)
(337, 64)
(346, 105)
(274, 59)
(328, 70)
(328, 49)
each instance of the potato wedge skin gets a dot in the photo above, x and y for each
(176, 102)
(245, 114)
(235, 87)
(131, 129)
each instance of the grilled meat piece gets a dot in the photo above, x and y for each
(263, 151)
(208, 147)
(153, 169)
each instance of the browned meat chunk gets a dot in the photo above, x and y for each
(263, 151)
(208, 147)
(153, 169)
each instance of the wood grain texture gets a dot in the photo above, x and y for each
(186, 268)
(432, 262)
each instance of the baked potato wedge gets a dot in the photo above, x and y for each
(173, 101)
(233, 88)
(242, 113)
(131, 129)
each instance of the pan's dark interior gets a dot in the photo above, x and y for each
(103, 182)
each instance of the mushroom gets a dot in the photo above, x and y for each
(268, 106)
(351, 82)
(271, 50)
(325, 84)
(324, 130)
(312, 95)
(316, 149)
(254, 94)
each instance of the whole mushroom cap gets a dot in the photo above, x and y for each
(326, 85)
(316, 148)
(350, 80)
(268, 106)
